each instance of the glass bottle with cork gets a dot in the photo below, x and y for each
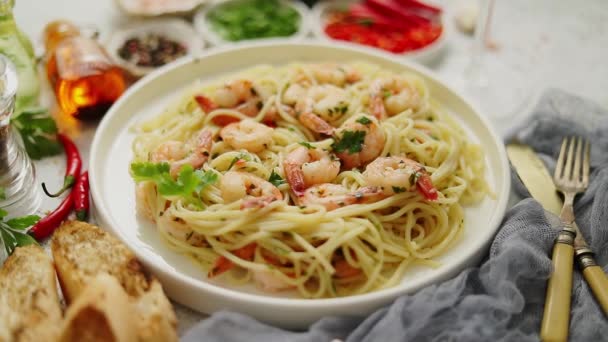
(84, 79)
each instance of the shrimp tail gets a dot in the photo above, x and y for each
(311, 120)
(223, 264)
(378, 107)
(426, 188)
(295, 178)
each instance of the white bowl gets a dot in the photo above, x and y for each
(426, 55)
(114, 196)
(202, 25)
(147, 8)
(174, 29)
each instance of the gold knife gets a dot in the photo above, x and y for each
(539, 183)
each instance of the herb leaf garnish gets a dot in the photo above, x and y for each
(364, 120)
(12, 232)
(276, 179)
(188, 185)
(37, 129)
(307, 145)
(351, 141)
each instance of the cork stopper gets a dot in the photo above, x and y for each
(56, 31)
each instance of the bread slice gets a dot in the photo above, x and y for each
(29, 301)
(101, 313)
(82, 251)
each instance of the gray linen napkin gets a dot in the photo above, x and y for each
(503, 298)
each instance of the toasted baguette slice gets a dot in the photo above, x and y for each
(101, 313)
(82, 251)
(29, 301)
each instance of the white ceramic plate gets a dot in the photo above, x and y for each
(113, 189)
(427, 54)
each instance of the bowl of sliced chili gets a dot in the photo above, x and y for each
(232, 21)
(406, 27)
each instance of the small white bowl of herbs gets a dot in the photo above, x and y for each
(232, 21)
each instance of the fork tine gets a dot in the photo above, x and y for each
(559, 166)
(569, 158)
(586, 163)
(578, 159)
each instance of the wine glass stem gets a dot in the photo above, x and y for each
(475, 71)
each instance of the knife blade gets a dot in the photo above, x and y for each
(535, 176)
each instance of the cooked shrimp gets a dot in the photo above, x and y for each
(223, 264)
(195, 152)
(343, 268)
(304, 112)
(398, 174)
(318, 106)
(305, 167)
(268, 281)
(234, 93)
(142, 205)
(255, 192)
(247, 134)
(334, 73)
(392, 95)
(364, 137)
(334, 196)
(240, 95)
(177, 228)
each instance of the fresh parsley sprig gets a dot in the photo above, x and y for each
(276, 179)
(187, 186)
(37, 130)
(13, 232)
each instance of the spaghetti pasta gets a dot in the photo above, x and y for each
(326, 179)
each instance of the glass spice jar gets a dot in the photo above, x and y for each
(84, 79)
(17, 176)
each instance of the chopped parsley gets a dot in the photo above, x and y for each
(241, 156)
(351, 141)
(341, 109)
(276, 179)
(307, 145)
(398, 189)
(414, 178)
(364, 120)
(387, 94)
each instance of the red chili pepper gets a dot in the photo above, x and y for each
(73, 164)
(47, 225)
(81, 197)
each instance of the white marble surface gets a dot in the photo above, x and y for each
(554, 43)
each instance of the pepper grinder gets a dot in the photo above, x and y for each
(17, 175)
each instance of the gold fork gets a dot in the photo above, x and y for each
(571, 177)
